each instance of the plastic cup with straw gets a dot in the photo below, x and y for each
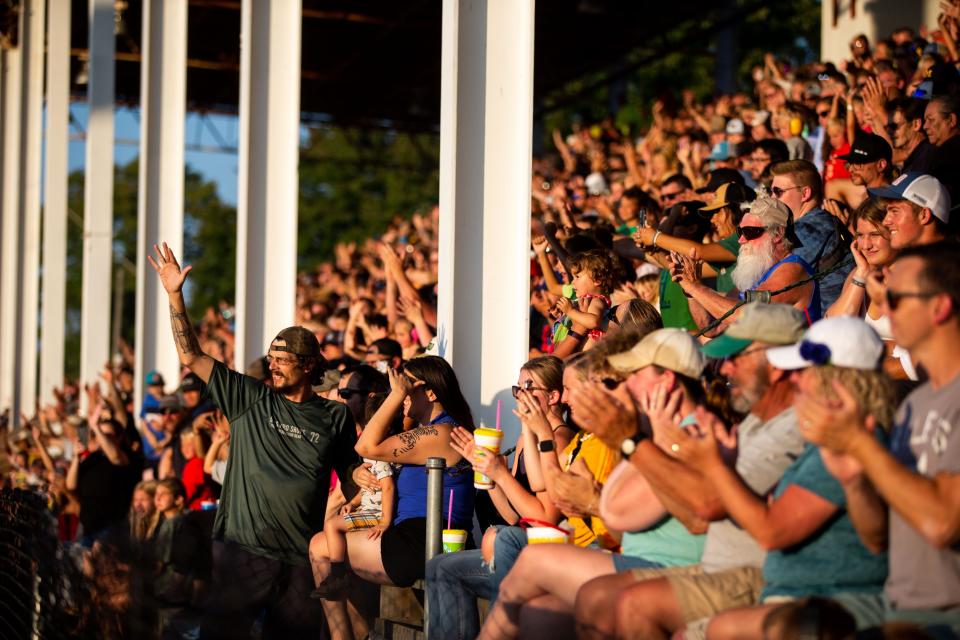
(453, 539)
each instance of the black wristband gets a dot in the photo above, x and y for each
(546, 446)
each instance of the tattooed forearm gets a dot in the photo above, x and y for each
(183, 334)
(410, 438)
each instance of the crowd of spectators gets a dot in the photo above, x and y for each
(738, 407)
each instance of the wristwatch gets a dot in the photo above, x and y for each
(629, 444)
(545, 446)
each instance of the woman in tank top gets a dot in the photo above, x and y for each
(872, 253)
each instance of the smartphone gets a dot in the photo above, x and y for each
(382, 367)
(642, 218)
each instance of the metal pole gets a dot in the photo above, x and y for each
(434, 546)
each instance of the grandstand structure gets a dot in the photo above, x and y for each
(474, 71)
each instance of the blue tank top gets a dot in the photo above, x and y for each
(412, 489)
(813, 311)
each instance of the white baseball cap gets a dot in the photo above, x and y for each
(844, 341)
(920, 189)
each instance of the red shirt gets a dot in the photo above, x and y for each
(194, 481)
(835, 167)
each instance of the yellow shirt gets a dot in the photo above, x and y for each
(601, 460)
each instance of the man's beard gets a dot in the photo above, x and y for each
(753, 261)
(749, 395)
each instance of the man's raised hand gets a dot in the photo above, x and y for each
(166, 265)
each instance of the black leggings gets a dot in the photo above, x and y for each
(244, 584)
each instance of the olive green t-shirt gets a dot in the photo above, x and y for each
(278, 472)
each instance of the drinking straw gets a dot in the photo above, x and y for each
(499, 402)
(450, 511)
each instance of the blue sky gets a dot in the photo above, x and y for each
(203, 137)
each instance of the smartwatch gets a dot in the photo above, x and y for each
(545, 446)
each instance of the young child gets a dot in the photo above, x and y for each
(371, 510)
(593, 280)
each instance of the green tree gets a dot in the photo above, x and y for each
(353, 182)
(209, 244)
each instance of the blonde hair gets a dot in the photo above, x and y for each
(548, 370)
(873, 390)
(141, 529)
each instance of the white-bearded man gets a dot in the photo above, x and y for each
(766, 262)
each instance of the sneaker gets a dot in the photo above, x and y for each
(334, 587)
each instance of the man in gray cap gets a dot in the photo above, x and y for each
(284, 444)
(766, 262)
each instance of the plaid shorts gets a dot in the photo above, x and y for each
(361, 520)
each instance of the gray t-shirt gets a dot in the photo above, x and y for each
(926, 438)
(765, 450)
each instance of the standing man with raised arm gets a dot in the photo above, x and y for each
(284, 442)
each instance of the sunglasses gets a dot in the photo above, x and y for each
(346, 394)
(667, 197)
(751, 233)
(779, 191)
(823, 114)
(893, 298)
(527, 386)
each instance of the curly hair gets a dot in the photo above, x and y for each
(599, 266)
(873, 390)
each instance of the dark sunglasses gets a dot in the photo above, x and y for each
(527, 386)
(894, 297)
(664, 197)
(610, 315)
(751, 233)
(823, 114)
(346, 394)
(779, 191)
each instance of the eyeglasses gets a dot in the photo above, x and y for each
(527, 386)
(779, 191)
(894, 297)
(823, 114)
(346, 394)
(751, 233)
(282, 361)
(758, 158)
(893, 127)
(667, 197)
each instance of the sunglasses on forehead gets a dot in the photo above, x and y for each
(751, 233)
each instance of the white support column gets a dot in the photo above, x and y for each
(98, 197)
(30, 176)
(10, 254)
(485, 162)
(268, 181)
(54, 291)
(163, 99)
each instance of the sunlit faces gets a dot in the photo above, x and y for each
(874, 243)
(939, 126)
(535, 387)
(911, 317)
(903, 222)
(788, 192)
(285, 370)
(143, 503)
(749, 375)
(164, 500)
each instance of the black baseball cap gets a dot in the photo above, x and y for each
(191, 382)
(868, 147)
(298, 341)
(720, 177)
